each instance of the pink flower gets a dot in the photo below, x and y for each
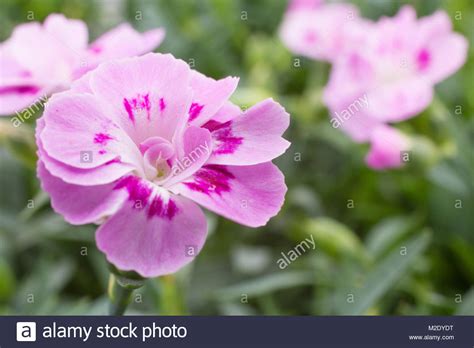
(395, 71)
(321, 31)
(38, 60)
(136, 143)
(387, 148)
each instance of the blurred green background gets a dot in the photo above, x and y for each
(398, 242)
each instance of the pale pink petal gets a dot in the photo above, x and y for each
(194, 152)
(227, 112)
(251, 138)
(80, 204)
(304, 4)
(442, 57)
(323, 32)
(71, 33)
(148, 96)
(209, 96)
(100, 175)
(124, 41)
(16, 99)
(434, 26)
(82, 84)
(45, 57)
(387, 147)
(79, 133)
(153, 239)
(357, 123)
(249, 195)
(399, 100)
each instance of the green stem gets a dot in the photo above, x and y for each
(120, 293)
(170, 298)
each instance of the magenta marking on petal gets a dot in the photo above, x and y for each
(211, 179)
(138, 191)
(96, 49)
(161, 209)
(102, 152)
(226, 142)
(146, 104)
(115, 160)
(162, 104)
(129, 110)
(19, 89)
(194, 111)
(423, 59)
(141, 102)
(102, 138)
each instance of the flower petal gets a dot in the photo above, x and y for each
(209, 96)
(251, 138)
(100, 175)
(80, 204)
(399, 100)
(124, 41)
(194, 152)
(71, 33)
(322, 32)
(78, 133)
(149, 96)
(387, 146)
(446, 54)
(151, 240)
(249, 195)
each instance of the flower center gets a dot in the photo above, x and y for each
(157, 159)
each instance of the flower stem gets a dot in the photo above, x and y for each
(170, 298)
(120, 293)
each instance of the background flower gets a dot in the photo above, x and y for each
(395, 69)
(40, 59)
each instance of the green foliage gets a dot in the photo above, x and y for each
(361, 220)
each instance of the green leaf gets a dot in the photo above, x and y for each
(335, 239)
(264, 285)
(467, 305)
(384, 276)
(383, 236)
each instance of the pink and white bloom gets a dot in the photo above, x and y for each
(321, 31)
(395, 70)
(41, 59)
(136, 144)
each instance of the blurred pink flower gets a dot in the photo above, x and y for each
(395, 70)
(321, 31)
(38, 60)
(136, 143)
(387, 148)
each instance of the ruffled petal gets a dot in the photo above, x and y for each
(78, 133)
(155, 238)
(71, 33)
(80, 204)
(194, 152)
(209, 96)
(251, 138)
(124, 41)
(104, 174)
(148, 96)
(249, 195)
